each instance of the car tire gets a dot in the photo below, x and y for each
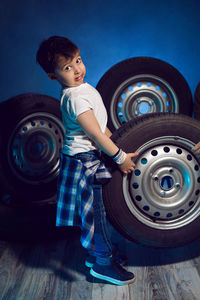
(197, 102)
(31, 137)
(142, 85)
(158, 205)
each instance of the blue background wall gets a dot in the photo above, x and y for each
(106, 32)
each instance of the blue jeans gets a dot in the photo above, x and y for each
(102, 242)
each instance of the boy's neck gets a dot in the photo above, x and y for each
(69, 87)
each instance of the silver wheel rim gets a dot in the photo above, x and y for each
(34, 146)
(139, 95)
(163, 192)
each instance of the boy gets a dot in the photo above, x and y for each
(82, 172)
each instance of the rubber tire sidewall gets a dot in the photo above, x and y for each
(130, 137)
(128, 68)
(197, 102)
(12, 112)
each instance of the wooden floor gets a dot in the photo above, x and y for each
(54, 270)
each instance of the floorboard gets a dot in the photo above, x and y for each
(54, 270)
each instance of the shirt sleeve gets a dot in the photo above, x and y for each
(80, 105)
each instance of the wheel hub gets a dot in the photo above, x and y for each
(34, 146)
(144, 106)
(163, 191)
(140, 95)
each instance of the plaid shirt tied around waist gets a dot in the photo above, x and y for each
(75, 192)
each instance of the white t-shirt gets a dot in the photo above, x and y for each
(74, 101)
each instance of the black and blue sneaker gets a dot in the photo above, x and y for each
(90, 261)
(113, 273)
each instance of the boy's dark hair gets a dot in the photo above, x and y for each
(51, 49)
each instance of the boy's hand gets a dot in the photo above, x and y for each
(128, 166)
(196, 147)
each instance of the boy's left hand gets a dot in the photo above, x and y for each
(196, 147)
(128, 166)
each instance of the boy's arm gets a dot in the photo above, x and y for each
(108, 132)
(90, 125)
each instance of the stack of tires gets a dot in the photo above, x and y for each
(150, 109)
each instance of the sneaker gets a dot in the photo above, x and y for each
(90, 261)
(113, 273)
(122, 259)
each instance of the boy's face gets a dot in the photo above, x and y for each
(69, 72)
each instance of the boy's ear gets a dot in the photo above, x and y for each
(51, 76)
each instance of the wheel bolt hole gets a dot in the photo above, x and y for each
(25, 128)
(169, 215)
(154, 152)
(166, 149)
(197, 192)
(189, 157)
(138, 198)
(196, 167)
(178, 151)
(123, 96)
(146, 208)
(144, 161)
(156, 214)
(181, 211)
(137, 172)
(135, 185)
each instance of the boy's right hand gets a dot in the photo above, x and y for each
(128, 166)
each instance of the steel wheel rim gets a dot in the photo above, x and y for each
(139, 95)
(163, 191)
(34, 146)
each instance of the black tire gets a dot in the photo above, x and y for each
(197, 102)
(158, 205)
(31, 135)
(142, 85)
